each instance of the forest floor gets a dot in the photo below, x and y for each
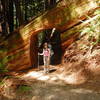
(47, 87)
(77, 78)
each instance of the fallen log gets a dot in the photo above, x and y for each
(21, 48)
(70, 35)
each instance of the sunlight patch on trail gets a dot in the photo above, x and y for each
(33, 74)
(43, 78)
(83, 91)
(55, 77)
(39, 75)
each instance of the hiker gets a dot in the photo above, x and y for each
(46, 57)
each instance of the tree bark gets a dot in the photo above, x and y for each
(62, 17)
(49, 4)
(11, 16)
(26, 4)
(19, 12)
(4, 16)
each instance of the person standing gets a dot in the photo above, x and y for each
(46, 57)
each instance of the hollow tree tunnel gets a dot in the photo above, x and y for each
(24, 54)
(55, 42)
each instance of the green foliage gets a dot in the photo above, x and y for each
(2, 80)
(3, 63)
(97, 12)
(1, 83)
(5, 59)
(34, 7)
(24, 88)
(3, 50)
(93, 29)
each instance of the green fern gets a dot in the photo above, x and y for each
(24, 88)
(93, 29)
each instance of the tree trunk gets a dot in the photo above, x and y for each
(4, 16)
(26, 4)
(11, 16)
(19, 12)
(63, 17)
(49, 4)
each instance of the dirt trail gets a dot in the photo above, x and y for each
(77, 78)
(35, 85)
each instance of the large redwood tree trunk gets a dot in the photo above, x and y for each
(20, 47)
(34, 51)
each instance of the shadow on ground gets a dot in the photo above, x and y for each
(29, 88)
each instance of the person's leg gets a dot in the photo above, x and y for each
(48, 64)
(45, 64)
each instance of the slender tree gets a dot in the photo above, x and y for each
(49, 3)
(26, 10)
(11, 16)
(4, 23)
(19, 12)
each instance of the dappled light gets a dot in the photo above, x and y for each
(81, 91)
(54, 77)
(53, 56)
(33, 74)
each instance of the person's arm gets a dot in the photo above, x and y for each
(41, 53)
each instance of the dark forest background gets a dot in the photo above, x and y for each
(14, 13)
